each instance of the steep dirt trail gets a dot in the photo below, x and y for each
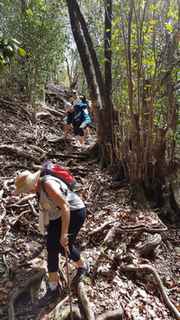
(27, 140)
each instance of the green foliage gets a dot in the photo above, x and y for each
(152, 28)
(41, 29)
(8, 49)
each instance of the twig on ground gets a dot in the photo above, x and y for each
(147, 267)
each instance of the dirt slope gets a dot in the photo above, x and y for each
(27, 138)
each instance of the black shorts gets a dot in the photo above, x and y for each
(77, 130)
(70, 117)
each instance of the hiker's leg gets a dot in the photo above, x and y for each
(67, 123)
(81, 135)
(53, 237)
(88, 131)
(85, 126)
(81, 140)
(77, 219)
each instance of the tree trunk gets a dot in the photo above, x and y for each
(100, 94)
(108, 105)
(92, 52)
(82, 49)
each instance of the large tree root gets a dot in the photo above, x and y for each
(55, 311)
(36, 277)
(84, 304)
(84, 312)
(101, 228)
(112, 315)
(66, 315)
(118, 229)
(146, 267)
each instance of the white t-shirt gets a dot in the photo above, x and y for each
(47, 205)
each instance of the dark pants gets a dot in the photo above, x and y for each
(77, 130)
(54, 247)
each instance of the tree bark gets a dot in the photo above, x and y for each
(82, 49)
(108, 106)
(92, 52)
(100, 93)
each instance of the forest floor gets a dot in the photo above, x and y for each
(123, 274)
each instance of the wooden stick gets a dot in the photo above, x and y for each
(69, 285)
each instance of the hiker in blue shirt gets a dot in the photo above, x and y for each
(81, 119)
(69, 109)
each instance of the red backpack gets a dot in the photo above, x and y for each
(59, 172)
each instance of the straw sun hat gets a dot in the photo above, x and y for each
(26, 181)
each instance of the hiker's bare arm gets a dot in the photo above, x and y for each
(52, 189)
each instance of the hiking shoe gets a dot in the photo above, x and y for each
(81, 272)
(50, 296)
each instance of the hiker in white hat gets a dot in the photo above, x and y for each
(62, 214)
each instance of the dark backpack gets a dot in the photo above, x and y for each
(59, 172)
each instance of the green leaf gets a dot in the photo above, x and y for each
(169, 27)
(29, 12)
(21, 52)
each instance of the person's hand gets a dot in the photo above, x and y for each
(64, 242)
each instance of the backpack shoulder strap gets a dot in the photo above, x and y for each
(45, 178)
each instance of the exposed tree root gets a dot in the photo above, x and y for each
(84, 304)
(65, 314)
(118, 229)
(55, 311)
(146, 267)
(67, 156)
(10, 149)
(101, 228)
(16, 293)
(54, 112)
(112, 315)
(13, 107)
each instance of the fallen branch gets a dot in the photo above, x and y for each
(147, 267)
(84, 303)
(54, 112)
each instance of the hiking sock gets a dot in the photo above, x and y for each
(53, 285)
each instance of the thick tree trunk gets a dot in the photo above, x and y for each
(92, 52)
(100, 94)
(107, 137)
(82, 49)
